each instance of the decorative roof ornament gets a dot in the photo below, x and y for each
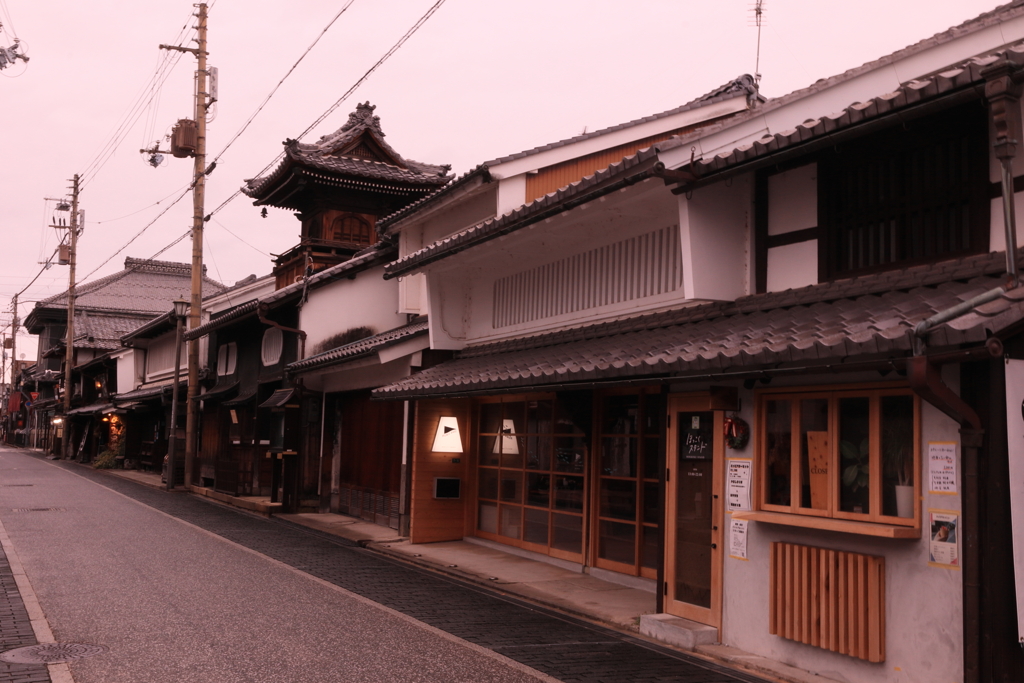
(362, 116)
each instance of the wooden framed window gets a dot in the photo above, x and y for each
(531, 476)
(629, 447)
(841, 459)
(910, 194)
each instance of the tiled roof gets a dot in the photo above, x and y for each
(955, 79)
(327, 154)
(149, 392)
(831, 323)
(628, 171)
(229, 315)
(358, 349)
(743, 86)
(144, 286)
(152, 328)
(374, 255)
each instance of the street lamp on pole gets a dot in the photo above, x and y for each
(180, 308)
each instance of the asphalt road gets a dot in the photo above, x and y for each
(174, 602)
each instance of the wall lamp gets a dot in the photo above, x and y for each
(447, 438)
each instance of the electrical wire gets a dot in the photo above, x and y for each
(274, 90)
(257, 249)
(138, 234)
(348, 93)
(139, 105)
(156, 203)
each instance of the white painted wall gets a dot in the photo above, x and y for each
(511, 193)
(923, 603)
(714, 225)
(160, 358)
(792, 266)
(368, 300)
(793, 200)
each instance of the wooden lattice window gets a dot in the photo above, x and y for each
(350, 229)
(910, 194)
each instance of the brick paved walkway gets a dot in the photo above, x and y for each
(562, 647)
(15, 630)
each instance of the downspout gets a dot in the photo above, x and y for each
(1003, 91)
(261, 313)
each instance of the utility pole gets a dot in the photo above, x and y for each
(198, 198)
(69, 347)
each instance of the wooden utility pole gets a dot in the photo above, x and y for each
(198, 198)
(69, 347)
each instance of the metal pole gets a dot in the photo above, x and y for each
(69, 349)
(172, 430)
(195, 313)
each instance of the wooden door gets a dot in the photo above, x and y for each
(693, 530)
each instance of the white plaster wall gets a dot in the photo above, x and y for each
(457, 215)
(714, 226)
(860, 88)
(997, 235)
(411, 297)
(160, 358)
(793, 200)
(127, 376)
(369, 300)
(511, 193)
(793, 265)
(448, 295)
(923, 603)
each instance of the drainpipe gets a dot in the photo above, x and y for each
(261, 313)
(1003, 92)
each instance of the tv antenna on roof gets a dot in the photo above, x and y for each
(758, 11)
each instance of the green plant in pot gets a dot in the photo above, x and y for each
(898, 462)
(856, 468)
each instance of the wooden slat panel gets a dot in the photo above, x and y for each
(830, 599)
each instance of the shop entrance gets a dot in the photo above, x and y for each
(693, 534)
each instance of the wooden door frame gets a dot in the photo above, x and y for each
(695, 403)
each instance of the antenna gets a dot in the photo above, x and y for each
(758, 11)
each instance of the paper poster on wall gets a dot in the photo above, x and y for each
(1015, 440)
(737, 478)
(738, 539)
(944, 535)
(942, 467)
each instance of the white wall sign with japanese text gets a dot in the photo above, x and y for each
(942, 467)
(737, 484)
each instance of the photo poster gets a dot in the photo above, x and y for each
(944, 538)
(1015, 441)
(738, 539)
(942, 467)
(737, 478)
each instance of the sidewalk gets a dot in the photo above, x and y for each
(495, 568)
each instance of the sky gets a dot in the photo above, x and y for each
(477, 80)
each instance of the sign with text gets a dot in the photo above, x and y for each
(737, 484)
(942, 467)
(695, 434)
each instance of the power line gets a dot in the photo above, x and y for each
(165, 64)
(281, 82)
(156, 203)
(239, 238)
(348, 93)
(138, 234)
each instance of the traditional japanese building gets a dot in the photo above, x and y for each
(340, 186)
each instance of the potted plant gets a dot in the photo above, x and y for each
(856, 471)
(898, 462)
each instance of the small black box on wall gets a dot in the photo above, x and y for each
(447, 487)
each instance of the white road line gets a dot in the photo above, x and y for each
(491, 654)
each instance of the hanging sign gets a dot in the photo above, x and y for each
(737, 478)
(1015, 441)
(942, 467)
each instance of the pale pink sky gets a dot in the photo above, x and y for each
(479, 80)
